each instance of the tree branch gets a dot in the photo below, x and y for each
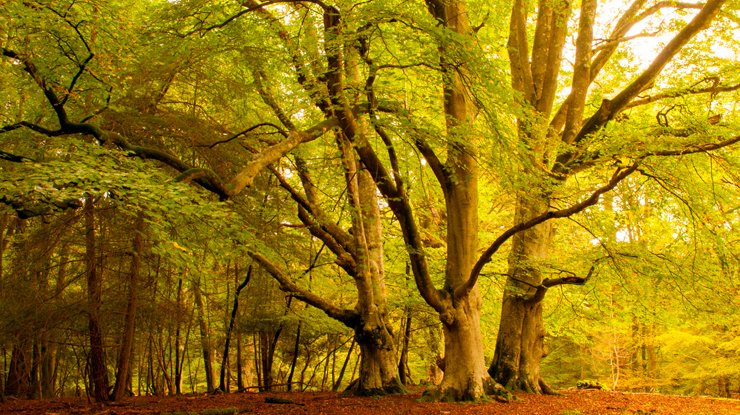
(254, 6)
(571, 279)
(274, 152)
(12, 157)
(338, 241)
(247, 131)
(610, 108)
(696, 148)
(714, 89)
(347, 317)
(619, 175)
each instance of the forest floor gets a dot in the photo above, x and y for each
(571, 402)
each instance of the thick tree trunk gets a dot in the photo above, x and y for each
(520, 346)
(520, 342)
(98, 369)
(18, 381)
(465, 376)
(378, 366)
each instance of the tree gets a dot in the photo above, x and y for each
(561, 144)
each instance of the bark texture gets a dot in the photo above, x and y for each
(520, 342)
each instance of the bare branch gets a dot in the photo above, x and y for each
(31, 126)
(249, 9)
(697, 148)
(247, 131)
(571, 279)
(714, 89)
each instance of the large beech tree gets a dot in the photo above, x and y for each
(564, 138)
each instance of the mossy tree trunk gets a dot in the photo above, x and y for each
(520, 342)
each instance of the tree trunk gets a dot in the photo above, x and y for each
(239, 364)
(265, 362)
(338, 382)
(125, 355)
(403, 364)
(520, 345)
(520, 342)
(235, 308)
(378, 364)
(179, 354)
(204, 336)
(294, 360)
(18, 380)
(465, 376)
(98, 369)
(48, 373)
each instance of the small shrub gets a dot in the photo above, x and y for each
(589, 384)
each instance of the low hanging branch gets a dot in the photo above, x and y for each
(347, 317)
(203, 177)
(570, 279)
(619, 175)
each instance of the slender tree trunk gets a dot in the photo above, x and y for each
(125, 355)
(235, 308)
(98, 369)
(204, 336)
(403, 364)
(265, 362)
(294, 360)
(338, 382)
(239, 364)
(178, 326)
(520, 342)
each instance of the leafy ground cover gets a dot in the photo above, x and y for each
(571, 402)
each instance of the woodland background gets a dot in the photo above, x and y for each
(120, 242)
